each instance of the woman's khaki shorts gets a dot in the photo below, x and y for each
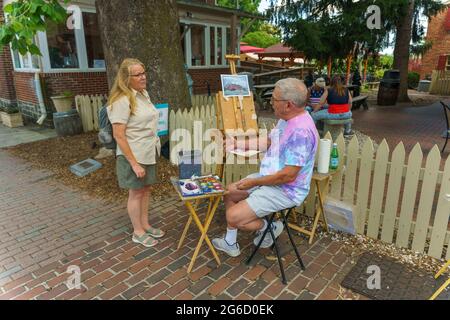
(127, 178)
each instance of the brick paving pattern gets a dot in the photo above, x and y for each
(46, 227)
(408, 124)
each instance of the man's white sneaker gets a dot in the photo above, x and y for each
(230, 249)
(277, 228)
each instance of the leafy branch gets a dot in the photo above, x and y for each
(24, 18)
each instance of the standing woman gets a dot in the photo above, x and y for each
(134, 120)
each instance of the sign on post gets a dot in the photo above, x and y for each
(163, 123)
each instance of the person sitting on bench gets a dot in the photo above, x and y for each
(315, 94)
(339, 100)
(285, 173)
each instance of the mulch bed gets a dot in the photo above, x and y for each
(58, 154)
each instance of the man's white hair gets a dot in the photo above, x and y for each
(293, 90)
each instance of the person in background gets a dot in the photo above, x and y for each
(315, 94)
(339, 102)
(356, 81)
(134, 119)
(309, 79)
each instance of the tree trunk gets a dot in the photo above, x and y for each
(401, 51)
(349, 64)
(149, 31)
(329, 66)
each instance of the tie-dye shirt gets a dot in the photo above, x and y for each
(293, 143)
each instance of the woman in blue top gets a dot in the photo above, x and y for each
(339, 101)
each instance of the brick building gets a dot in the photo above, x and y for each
(438, 57)
(73, 60)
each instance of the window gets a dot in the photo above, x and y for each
(62, 47)
(94, 48)
(66, 49)
(205, 45)
(447, 66)
(25, 62)
(198, 45)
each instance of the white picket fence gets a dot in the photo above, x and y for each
(88, 107)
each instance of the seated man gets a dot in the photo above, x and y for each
(285, 173)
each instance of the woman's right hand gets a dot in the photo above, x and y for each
(138, 170)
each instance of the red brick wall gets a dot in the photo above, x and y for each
(441, 44)
(7, 91)
(56, 83)
(200, 76)
(86, 83)
(24, 83)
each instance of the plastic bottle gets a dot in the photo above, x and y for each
(334, 159)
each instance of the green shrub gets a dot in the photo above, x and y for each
(413, 80)
(9, 109)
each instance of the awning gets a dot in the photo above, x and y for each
(248, 49)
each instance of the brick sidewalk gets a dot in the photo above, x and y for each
(46, 227)
(42, 221)
(408, 124)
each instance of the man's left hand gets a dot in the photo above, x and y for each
(246, 184)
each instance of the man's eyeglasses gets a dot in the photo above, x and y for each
(139, 75)
(272, 100)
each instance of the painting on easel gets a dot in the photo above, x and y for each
(235, 86)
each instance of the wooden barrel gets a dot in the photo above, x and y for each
(67, 123)
(387, 96)
(389, 88)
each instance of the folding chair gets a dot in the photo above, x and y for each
(445, 285)
(447, 118)
(285, 215)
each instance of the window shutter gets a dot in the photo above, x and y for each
(442, 62)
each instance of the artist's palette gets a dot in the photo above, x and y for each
(210, 184)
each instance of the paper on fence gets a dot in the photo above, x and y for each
(339, 215)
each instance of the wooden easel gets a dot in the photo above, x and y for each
(235, 114)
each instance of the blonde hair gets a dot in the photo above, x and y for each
(121, 84)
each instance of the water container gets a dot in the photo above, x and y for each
(189, 163)
(67, 123)
(424, 86)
